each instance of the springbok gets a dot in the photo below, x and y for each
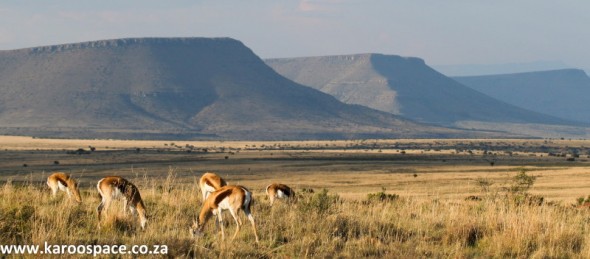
(209, 183)
(64, 182)
(279, 191)
(115, 187)
(231, 197)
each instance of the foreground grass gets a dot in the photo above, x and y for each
(320, 224)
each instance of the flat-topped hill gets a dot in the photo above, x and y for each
(175, 87)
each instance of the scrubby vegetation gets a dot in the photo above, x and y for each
(320, 224)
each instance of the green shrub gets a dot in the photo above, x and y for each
(381, 197)
(522, 182)
(320, 203)
(581, 201)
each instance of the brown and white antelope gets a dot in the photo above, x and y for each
(279, 191)
(64, 182)
(231, 197)
(209, 183)
(115, 187)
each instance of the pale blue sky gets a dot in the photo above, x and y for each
(441, 32)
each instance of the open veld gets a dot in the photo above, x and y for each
(371, 198)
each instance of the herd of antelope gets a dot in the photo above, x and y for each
(217, 197)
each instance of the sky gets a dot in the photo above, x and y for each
(442, 32)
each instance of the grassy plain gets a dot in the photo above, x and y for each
(429, 218)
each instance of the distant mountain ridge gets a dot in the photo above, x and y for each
(176, 88)
(402, 86)
(563, 93)
(496, 69)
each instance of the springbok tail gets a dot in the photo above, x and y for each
(247, 200)
(100, 194)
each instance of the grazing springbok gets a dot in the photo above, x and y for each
(64, 182)
(279, 191)
(209, 183)
(115, 187)
(231, 197)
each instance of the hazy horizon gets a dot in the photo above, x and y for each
(440, 32)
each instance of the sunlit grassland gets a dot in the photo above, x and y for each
(368, 201)
(319, 224)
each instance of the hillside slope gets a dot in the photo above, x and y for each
(402, 86)
(563, 93)
(175, 88)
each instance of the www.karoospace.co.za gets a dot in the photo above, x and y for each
(94, 250)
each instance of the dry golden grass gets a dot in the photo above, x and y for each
(320, 224)
(29, 143)
(431, 218)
